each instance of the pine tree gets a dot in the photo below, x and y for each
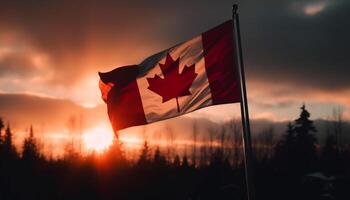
(184, 163)
(9, 149)
(113, 160)
(305, 141)
(285, 149)
(144, 157)
(30, 148)
(296, 152)
(115, 153)
(287, 143)
(158, 158)
(177, 161)
(1, 140)
(2, 125)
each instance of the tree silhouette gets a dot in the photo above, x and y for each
(115, 153)
(159, 160)
(108, 176)
(177, 161)
(203, 159)
(2, 125)
(305, 141)
(1, 138)
(170, 142)
(285, 149)
(330, 155)
(9, 149)
(337, 122)
(194, 143)
(297, 149)
(145, 155)
(236, 141)
(267, 141)
(184, 163)
(30, 148)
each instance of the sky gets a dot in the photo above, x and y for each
(50, 52)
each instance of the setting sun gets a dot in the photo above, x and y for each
(98, 139)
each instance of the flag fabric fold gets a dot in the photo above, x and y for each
(191, 75)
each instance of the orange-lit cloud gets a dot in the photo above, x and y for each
(314, 8)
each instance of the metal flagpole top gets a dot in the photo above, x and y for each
(234, 8)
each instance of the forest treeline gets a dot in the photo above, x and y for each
(295, 166)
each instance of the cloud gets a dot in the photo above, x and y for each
(86, 36)
(56, 47)
(279, 102)
(78, 37)
(22, 63)
(50, 114)
(284, 95)
(280, 45)
(50, 118)
(314, 8)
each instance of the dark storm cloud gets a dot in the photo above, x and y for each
(306, 50)
(281, 42)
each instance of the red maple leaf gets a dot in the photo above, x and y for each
(174, 84)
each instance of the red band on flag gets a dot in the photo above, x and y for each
(220, 65)
(123, 100)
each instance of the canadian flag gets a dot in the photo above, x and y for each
(194, 74)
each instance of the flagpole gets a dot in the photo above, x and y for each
(244, 108)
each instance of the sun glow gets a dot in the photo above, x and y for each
(315, 8)
(98, 139)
